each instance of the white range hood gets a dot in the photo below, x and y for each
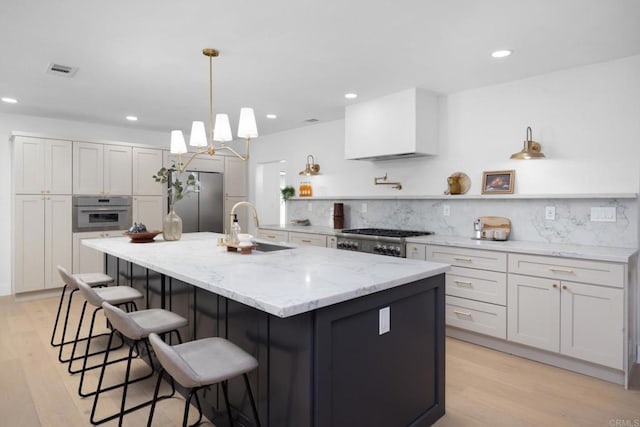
(395, 126)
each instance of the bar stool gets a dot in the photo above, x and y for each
(91, 279)
(136, 326)
(115, 295)
(202, 363)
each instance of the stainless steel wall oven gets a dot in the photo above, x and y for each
(98, 213)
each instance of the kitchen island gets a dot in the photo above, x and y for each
(341, 338)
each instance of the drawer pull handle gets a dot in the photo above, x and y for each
(462, 259)
(462, 313)
(306, 241)
(462, 282)
(561, 270)
(270, 236)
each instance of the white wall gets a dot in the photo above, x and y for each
(585, 118)
(61, 129)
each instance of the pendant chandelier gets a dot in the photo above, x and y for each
(221, 132)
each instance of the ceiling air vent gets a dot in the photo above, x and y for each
(311, 120)
(61, 70)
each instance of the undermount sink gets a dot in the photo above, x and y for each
(268, 247)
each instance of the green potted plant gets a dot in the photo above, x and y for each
(287, 192)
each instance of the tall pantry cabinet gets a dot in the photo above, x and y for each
(42, 212)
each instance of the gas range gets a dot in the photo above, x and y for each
(381, 241)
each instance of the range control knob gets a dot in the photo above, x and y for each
(397, 251)
(377, 248)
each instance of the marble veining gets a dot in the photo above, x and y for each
(572, 224)
(283, 283)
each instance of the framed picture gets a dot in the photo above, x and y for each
(498, 182)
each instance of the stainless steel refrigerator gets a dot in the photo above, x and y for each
(203, 210)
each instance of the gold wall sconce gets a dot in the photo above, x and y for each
(530, 151)
(312, 168)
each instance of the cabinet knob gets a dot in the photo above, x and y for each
(564, 287)
(555, 286)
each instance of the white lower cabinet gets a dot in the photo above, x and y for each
(85, 259)
(308, 239)
(481, 317)
(576, 319)
(332, 242)
(42, 241)
(148, 211)
(273, 235)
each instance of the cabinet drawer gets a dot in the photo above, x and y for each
(416, 251)
(479, 285)
(476, 316)
(308, 239)
(274, 235)
(596, 272)
(474, 258)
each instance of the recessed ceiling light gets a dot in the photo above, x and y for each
(9, 100)
(271, 116)
(501, 53)
(351, 95)
(132, 118)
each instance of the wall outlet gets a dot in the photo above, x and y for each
(603, 214)
(446, 210)
(310, 207)
(550, 213)
(384, 317)
(364, 208)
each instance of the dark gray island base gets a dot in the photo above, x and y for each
(328, 367)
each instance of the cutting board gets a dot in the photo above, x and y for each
(493, 222)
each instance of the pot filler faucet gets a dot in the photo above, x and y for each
(253, 209)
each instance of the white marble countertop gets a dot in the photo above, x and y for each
(312, 229)
(599, 253)
(283, 283)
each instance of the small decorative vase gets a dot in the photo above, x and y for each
(172, 226)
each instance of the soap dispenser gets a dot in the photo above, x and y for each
(235, 230)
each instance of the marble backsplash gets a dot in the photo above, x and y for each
(572, 223)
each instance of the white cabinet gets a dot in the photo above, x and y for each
(308, 239)
(475, 287)
(201, 163)
(42, 231)
(146, 163)
(273, 235)
(235, 177)
(397, 125)
(42, 166)
(148, 210)
(332, 242)
(547, 309)
(85, 259)
(416, 251)
(101, 169)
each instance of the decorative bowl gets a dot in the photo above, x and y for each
(144, 237)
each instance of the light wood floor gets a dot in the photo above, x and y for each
(484, 387)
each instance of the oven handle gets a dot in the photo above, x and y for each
(103, 210)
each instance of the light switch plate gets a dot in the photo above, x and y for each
(446, 210)
(603, 214)
(385, 320)
(550, 213)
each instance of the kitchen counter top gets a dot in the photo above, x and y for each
(599, 253)
(312, 229)
(283, 283)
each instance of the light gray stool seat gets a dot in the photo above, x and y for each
(201, 363)
(136, 326)
(91, 279)
(116, 295)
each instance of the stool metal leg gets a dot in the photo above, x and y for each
(226, 401)
(55, 325)
(253, 403)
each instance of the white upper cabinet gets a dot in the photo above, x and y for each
(399, 125)
(42, 166)
(235, 177)
(146, 163)
(101, 169)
